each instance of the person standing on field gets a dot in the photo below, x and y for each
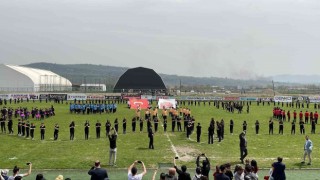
(231, 126)
(307, 150)
(113, 147)
(198, 132)
(257, 127)
(270, 126)
(243, 146)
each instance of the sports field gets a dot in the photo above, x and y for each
(80, 153)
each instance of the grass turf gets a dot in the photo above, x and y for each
(80, 154)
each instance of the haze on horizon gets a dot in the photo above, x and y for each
(236, 39)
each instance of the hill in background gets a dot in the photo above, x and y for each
(89, 73)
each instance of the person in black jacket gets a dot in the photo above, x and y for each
(270, 126)
(182, 174)
(71, 127)
(210, 133)
(150, 135)
(113, 146)
(42, 130)
(86, 130)
(231, 126)
(205, 168)
(293, 128)
(98, 129)
(56, 132)
(278, 170)
(257, 127)
(243, 146)
(116, 124)
(124, 125)
(198, 132)
(97, 173)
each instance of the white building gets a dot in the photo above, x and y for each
(93, 88)
(24, 79)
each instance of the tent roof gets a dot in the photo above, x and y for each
(39, 76)
(140, 78)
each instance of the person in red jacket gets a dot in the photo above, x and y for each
(306, 117)
(316, 115)
(294, 115)
(301, 115)
(289, 116)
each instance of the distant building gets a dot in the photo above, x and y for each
(93, 88)
(15, 78)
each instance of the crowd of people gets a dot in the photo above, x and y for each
(93, 108)
(182, 120)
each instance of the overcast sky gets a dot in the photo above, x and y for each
(225, 38)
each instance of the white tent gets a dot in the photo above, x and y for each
(24, 79)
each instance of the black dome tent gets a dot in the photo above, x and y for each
(141, 79)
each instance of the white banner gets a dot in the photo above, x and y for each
(77, 97)
(314, 99)
(283, 99)
(166, 103)
(19, 96)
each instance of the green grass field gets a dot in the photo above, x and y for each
(80, 154)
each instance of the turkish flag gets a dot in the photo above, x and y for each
(139, 103)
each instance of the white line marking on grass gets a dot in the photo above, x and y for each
(172, 146)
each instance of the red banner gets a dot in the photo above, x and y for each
(138, 103)
(231, 98)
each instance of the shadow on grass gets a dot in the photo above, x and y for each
(300, 165)
(142, 148)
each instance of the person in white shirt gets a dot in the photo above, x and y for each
(307, 150)
(16, 172)
(132, 171)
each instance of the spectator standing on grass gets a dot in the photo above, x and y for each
(113, 146)
(278, 170)
(56, 132)
(151, 137)
(71, 127)
(301, 123)
(270, 126)
(182, 174)
(132, 171)
(86, 130)
(293, 127)
(97, 173)
(32, 128)
(42, 130)
(98, 129)
(243, 146)
(257, 124)
(307, 150)
(198, 132)
(16, 172)
(231, 126)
